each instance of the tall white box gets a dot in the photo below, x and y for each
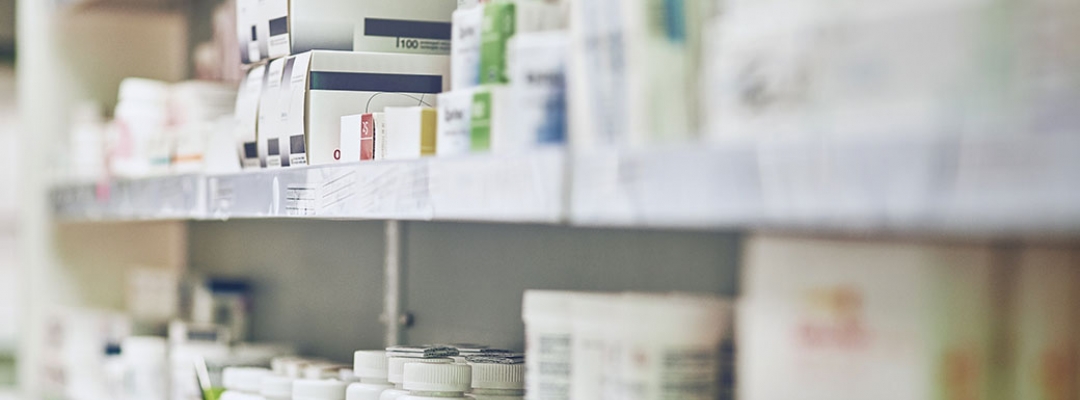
(246, 116)
(270, 115)
(455, 122)
(320, 87)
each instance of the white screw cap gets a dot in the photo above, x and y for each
(370, 364)
(318, 389)
(396, 366)
(438, 377)
(276, 386)
(498, 376)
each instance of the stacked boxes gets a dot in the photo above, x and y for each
(328, 59)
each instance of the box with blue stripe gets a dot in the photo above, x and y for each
(323, 86)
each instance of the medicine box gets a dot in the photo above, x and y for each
(500, 22)
(409, 132)
(320, 87)
(291, 27)
(490, 121)
(455, 122)
(246, 116)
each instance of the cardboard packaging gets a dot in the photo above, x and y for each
(455, 122)
(246, 117)
(538, 86)
(834, 319)
(291, 27)
(465, 48)
(320, 87)
(1045, 324)
(270, 116)
(409, 132)
(491, 119)
(248, 17)
(501, 21)
(358, 137)
(634, 71)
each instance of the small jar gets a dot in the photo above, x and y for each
(277, 387)
(395, 373)
(318, 389)
(370, 367)
(437, 381)
(492, 381)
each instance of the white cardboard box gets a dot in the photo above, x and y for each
(537, 63)
(491, 120)
(455, 122)
(270, 115)
(846, 320)
(320, 87)
(290, 27)
(409, 133)
(248, 19)
(465, 48)
(246, 116)
(351, 127)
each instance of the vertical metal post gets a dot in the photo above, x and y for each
(393, 298)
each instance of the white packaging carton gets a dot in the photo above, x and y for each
(455, 122)
(832, 319)
(351, 126)
(633, 71)
(246, 117)
(537, 63)
(491, 120)
(270, 115)
(465, 48)
(410, 132)
(320, 87)
(248, 18)
(291, 27)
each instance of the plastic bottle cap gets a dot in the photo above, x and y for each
(498, 376)
(276, 386)
(370, 364)
(244, 379)
(318, 389)
(437, 377)
(322, 371)
(396, 366)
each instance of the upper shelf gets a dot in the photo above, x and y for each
(985, 185)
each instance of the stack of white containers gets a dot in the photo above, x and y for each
(630, 345)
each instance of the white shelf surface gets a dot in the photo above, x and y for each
(991, 185)
(519, 188)
(987, 185)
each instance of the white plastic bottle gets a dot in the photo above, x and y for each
(371, 367)
(242, 383)
(277, 387)
(436, 381)
(491, 381)
(318, 389)
(395, 373)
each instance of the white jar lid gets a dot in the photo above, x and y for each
(395, 371)
(498, 376)
(244, 379)
(438, 377)
(276, 386)
(370, 364)
(318, 389)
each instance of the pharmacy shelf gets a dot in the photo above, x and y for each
(512, 188)
(982, 186)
